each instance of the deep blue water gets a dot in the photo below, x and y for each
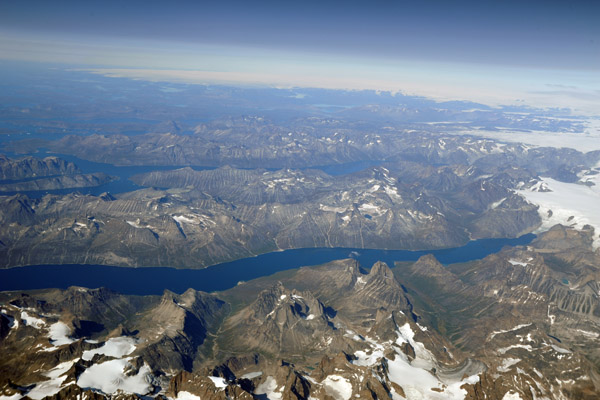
(123, 173)
(155, 280)
(121, 185)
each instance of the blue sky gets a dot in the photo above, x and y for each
(494, 51)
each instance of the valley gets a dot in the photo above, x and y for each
(186, 242)
(506, 324)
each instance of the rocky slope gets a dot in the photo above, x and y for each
(33, 167)
(522, 323)
(207, 217)
(50, 173)
(58, 182)
(433, 191)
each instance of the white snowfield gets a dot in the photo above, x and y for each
(269, 389)
(588, 140)
(32, 321)
(114, 347)
(59, 334)
(569, 204)
(110, 376)
(511, 396)
(183, 395)
(53, 384)
(413, 376)
(219, 382)
(107, 377)
(338, 387)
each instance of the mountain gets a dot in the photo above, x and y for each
(521, 323)
(208, 217)
(32, 167)
(58, 182)
(50, 173)
(427, 190)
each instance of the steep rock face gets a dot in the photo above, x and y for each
(560, 238)
(5, 324)
(510, 216)
(527, 362)
(379, 289)
(128, 231)
(58, 182)
(91, 311)
(209, 387)
(173, 331)
(281, 321)
(523, 309)
(486, 328)
(276, 379)
(429, 268)
(345, 287)
(17, 210)
(30, 167)
(214, 216)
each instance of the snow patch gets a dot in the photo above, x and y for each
(515, 346)
(252, 375)
(181, 219)
(135, 224)
(392, 192)
(516, 328)
(507, 363)
(332, 209)
(497, 203)
(53, 385)
(193, 219)
(219, 382)
(588, 334)
(338, 387)
(59, 334)
(113, 347)
(414, 377)
(183, 395)
(369, 208)
(424, 358)
(511, 396)
(110, 376)
(34, 322)
(560, 349)
(269, 389)
(516, 262)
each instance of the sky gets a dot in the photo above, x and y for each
(543, 53)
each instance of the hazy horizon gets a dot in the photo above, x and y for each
(539, 54)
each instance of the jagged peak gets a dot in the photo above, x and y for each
(381, 269)
(276, 299)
